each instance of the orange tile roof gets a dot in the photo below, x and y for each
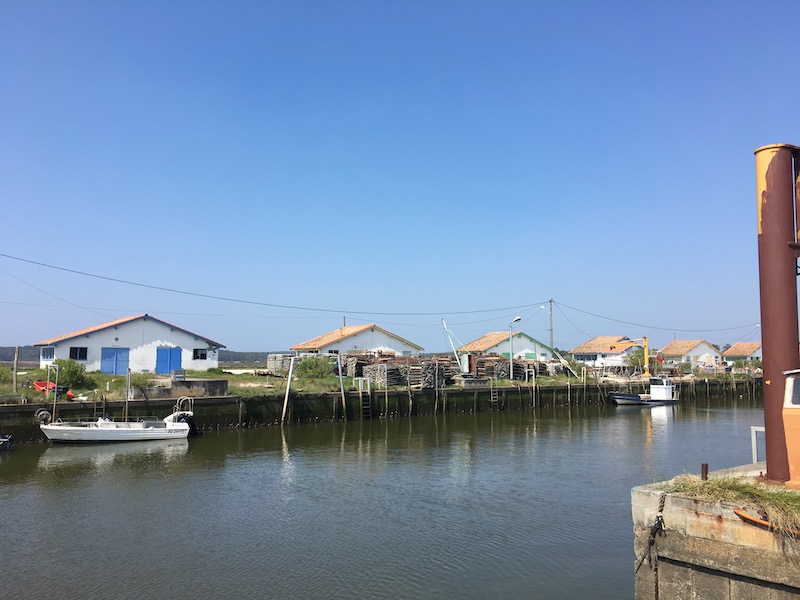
(337, 335)
(609, 344)
(620, 347)
(742, 349)
(681, 347)
(487, 341)
(123, 320)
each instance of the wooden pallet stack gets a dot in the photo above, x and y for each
(354, 365)
(496, 367)
(278, 362)
(384, 374)
(411, 372)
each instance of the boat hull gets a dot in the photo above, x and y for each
(174, 427)
(626, 399)
(57, 432)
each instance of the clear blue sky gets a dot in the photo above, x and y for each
(389, 162)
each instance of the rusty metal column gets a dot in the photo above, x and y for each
(777, 266)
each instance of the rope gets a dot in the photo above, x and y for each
(656, 530)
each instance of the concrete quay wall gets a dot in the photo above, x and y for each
(708, 552)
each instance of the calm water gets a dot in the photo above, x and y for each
(532, 504)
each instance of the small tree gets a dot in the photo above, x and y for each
(635, 359)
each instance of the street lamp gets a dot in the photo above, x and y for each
(511, 348)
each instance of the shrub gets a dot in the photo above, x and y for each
(5, 374)
(72, 374)
(314, 368)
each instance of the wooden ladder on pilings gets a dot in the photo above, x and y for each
(365, 397)
(494, 399)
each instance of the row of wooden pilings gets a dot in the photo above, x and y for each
(233, 411)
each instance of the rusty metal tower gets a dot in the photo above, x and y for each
(777, 186)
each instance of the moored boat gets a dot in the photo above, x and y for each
(661, 391)
(177, 425)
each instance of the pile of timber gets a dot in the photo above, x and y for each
(489, 367)
(414, 372)
(383, 374)
(497, 367)
(354, 364)
(278, 362)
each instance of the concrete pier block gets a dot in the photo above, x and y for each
(708, 552)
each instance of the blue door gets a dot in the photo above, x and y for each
(114, 361)
(167, 360)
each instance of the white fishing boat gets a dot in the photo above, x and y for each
(662, 391)
(177, 425)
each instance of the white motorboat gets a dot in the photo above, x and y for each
(662, 391)
(174, 426)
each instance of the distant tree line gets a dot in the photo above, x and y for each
(26, 353)
(231, 356)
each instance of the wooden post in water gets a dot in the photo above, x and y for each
(341, 387)
(288, 387)
(436, 387)
(14, 371)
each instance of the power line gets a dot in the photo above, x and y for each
(652, 326)
(256, 303)
(45, 292)
(351, 312)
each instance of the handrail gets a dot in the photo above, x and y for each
(753, 444)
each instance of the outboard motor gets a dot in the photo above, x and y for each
(194, 430)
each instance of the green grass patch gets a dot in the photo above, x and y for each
(776, 504)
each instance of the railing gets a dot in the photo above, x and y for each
(753, 443)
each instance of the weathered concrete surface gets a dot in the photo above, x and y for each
(708, 552)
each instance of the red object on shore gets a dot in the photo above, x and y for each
(50, 386)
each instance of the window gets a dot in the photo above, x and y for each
(200, 354)
(77, 353)
(48, 353)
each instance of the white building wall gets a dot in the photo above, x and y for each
(703, 355)
(371, 340)
(142, 338)
(522, 346)
(610, 360)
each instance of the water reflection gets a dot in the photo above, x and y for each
(513, 504)
(101, 457)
